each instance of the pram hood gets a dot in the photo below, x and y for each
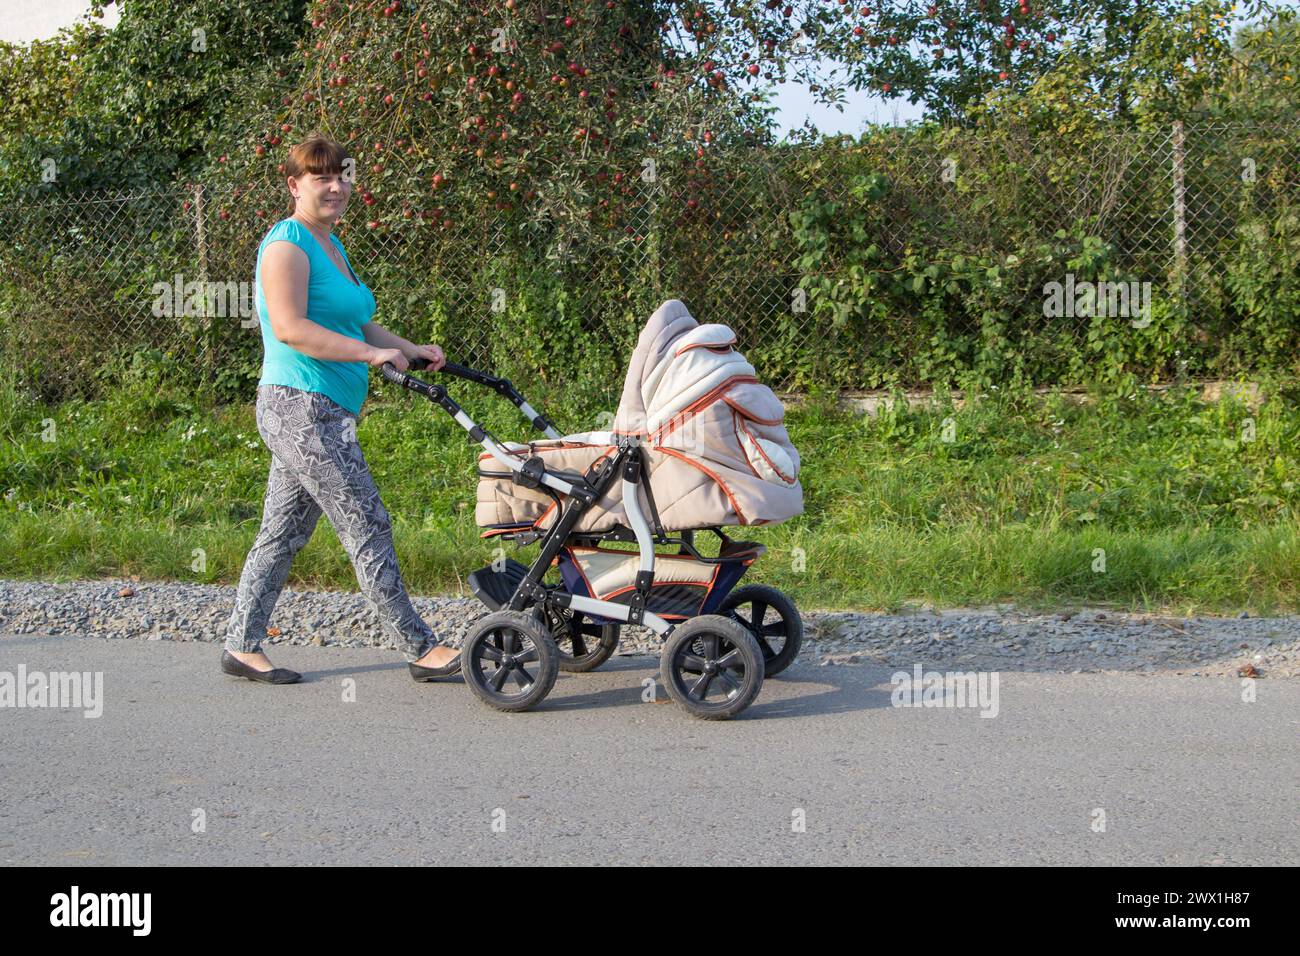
(716, 445)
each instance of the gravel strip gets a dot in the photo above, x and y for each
(990, 639)
(1084, 640)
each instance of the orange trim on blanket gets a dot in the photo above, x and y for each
(589, 549)
(542, 517)
(769, 461)
(708, 589)
(720, 347)
(722, 484)
(751, 416)
(572, 549)
(551, 507)
(569, 446)
(492, 532)
(632, 587)
(573, 554)
(680, 418)
(735, 421)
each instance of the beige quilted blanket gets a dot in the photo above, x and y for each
(718, 451)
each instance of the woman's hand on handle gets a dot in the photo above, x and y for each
(379, 356)
(432, 354)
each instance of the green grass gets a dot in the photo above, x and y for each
(1007, 500)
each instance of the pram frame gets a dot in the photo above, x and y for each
(582, 494)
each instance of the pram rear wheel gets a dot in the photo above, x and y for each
(712, 666)
(510, 661)
(771, 617)
(582, 643)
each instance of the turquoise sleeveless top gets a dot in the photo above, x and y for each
(332, 301)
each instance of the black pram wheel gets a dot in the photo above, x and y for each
(712, 666)
(583, 644)
(509, 660)
(772, 618)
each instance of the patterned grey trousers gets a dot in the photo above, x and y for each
(316, 464)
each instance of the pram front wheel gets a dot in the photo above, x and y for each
(582, 643)
(772, 618)
(712, 666)
(510, 661)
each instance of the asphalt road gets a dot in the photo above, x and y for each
(1184, 770)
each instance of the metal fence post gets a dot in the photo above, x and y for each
(201, 244)
(1180, 218)
(655, 238)
(200, 235)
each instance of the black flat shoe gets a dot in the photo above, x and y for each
(423, 674)
(236, 668)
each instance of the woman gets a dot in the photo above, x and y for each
(319, 341)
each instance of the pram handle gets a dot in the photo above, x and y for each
(533, 469)
(419, 364)
(450, 368)
(501, 386)
(390, 374)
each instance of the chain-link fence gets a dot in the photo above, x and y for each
(902, 259)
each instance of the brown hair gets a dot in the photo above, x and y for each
(316, 155)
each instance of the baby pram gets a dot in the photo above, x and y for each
(697, 443)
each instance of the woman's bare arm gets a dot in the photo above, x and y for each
(380, 337)
(285, 271)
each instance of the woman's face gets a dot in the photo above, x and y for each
(322, 196)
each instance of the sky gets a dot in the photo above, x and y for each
(796, 103)
(22, 21)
